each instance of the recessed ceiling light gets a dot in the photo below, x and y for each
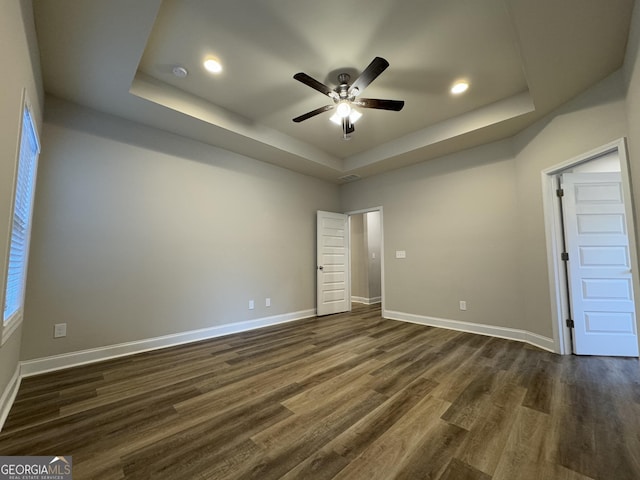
(180, 72)
(212, 65)
(459, 87)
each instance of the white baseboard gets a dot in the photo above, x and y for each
(501, 332)
(366, 301)
(9, 395)
(83, 357)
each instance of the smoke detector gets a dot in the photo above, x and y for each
(179, 71)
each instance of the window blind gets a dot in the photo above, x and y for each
(23, 202)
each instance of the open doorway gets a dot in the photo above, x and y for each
(591, 245)
(334, 268)
(365, 233)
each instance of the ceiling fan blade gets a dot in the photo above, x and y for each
(313, 113)
(395, 105)
(315, 84)
(375, 68)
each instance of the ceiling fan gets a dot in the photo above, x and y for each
(345, 96)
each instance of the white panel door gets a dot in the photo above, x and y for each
(332, 264)
(599, 265)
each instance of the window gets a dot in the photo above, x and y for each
(21, 226)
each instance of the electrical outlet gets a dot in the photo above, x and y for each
(267, 302)
(59, 330)
(463, 305)
(251, 305)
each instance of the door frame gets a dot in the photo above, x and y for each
(554, 235)
(367, 210)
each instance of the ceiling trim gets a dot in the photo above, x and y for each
(482, 117)
(148, 88)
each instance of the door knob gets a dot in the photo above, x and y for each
(320, 267)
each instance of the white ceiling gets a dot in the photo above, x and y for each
(523, 58)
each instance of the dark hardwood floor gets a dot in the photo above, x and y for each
(350, 396)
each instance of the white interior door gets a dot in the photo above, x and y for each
(333, 294)
(601, 287)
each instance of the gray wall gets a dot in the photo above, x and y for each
(139, 233)
(631, 73)
(456, 219)
(472, 223)
(21, 69)
(593, 119)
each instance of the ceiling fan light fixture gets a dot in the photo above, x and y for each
(354, 116)
(343, 110)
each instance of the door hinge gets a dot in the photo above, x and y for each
(564, 256)
(570, 323)
(560, 192)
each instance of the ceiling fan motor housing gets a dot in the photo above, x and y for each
(343, 89)
(344, 78)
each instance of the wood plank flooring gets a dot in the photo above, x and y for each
(350, 396)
